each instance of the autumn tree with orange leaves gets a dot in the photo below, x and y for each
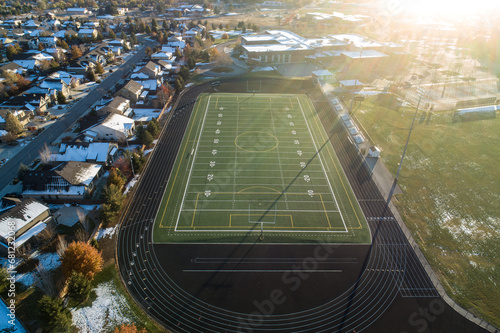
(129, 328)
(81, 258)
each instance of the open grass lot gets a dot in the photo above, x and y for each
(451, 184)
(252, 161)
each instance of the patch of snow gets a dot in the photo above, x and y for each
(108, 310)
(49, 261)
(107, 232)
(147, 151)
(263, 69)
(131, 184)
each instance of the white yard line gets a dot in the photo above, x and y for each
(321, 160)
(192, 164)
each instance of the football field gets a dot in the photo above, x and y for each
(258, 167)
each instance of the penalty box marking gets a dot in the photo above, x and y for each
(325, 211)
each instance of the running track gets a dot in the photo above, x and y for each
(229, 288)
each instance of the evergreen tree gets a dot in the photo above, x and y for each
(54, 316)
(61, 99)
(12, 124)
(79, 286)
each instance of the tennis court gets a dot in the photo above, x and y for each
(258, 167)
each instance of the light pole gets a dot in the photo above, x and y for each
(420, 92)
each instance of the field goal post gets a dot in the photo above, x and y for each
(261, 222)
(254, 90)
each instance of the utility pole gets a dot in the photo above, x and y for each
(420, 92)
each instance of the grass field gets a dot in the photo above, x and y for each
(253, 163)
(451, 183)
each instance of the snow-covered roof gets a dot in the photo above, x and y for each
(30, 210)
(97, 152)
(67, 190)
(145, 114)
(79, 173)
(33, 231)
(364, 54)
(322, 72)
(118, 122)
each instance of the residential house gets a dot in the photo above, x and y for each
(12, 67)
(48, 42)
(55, 85)
(114, 127)
(102, 153)
(70, 180)
(20, 114)
(132, 90)
(78, 11)
(29, 102)
(118, 105)
(30, 25)
(87, 33)
(27, 219)
(151, 69)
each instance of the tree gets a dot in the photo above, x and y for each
(133, 39)
(111, 34)
(90, 74)
(99, 69)
(82, 258)
(75, 53)
(147, 138)
(114, 202)
(12, 124)
(79, 286)
(154, 25)
(123, 164)
(40, 47)
(21, 171)
(191, 62)
(149, 51)
(61, 99)
(163, 93)
(179, 84)
(217, 11)
(45, 153)
(53, 314)
(184, 73)
(138, 160)
(129, 328)
(116, 177)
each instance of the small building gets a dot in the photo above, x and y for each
(374, 152)
(132, 90)
(24, 221)
(351, 85)
(78, 11)
(322, 75)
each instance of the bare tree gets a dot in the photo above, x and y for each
(81, 235)
(45, 154)
(62, 245)
(44, 280)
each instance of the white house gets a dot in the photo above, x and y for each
(114, 128)
(87, 33)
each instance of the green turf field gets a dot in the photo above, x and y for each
(253, 163)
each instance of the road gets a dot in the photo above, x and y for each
(219, 288)
(30, 152)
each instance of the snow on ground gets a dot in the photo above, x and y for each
(263, 69)
(48, 261)
(108, 310)
(106, 232)
(131, 184)
(147, 151)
